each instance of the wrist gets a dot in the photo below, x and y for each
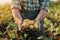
(36, 20)
(19, 21)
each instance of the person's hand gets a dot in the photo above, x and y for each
(19, 25)
(38, 25)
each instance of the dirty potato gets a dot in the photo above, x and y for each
(31, 22)
(36, 26)
(26, 20)
(31, 26)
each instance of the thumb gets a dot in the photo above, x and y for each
(19, 28)
(39, 26)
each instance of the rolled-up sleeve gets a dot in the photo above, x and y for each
(15, 4)
(45, 4)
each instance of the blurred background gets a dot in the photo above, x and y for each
(52, 20)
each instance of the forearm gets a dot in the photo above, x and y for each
(16, 15)
(41, 15)
(43, 11)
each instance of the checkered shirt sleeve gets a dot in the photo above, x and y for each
(45, 4)
(15, 4)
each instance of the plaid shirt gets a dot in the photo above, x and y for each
(31, 4)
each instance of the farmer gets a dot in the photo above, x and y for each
(30, 9)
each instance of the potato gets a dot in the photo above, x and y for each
(26, 20)
(30, 22)
(25, 25)
(36, 26)
(31, 26)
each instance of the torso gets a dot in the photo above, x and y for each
(30, 4)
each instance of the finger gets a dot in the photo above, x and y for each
(39, 26)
